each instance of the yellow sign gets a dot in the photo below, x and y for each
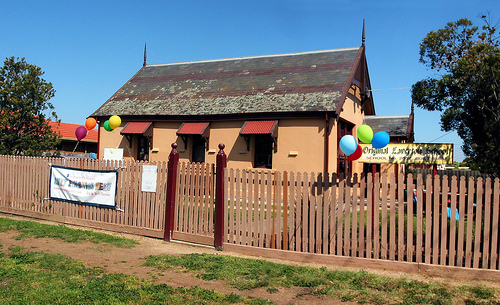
(408, 153)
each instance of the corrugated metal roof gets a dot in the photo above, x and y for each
(192, 128)
(67, 131)
(135, 128)
(258, 127)
(299, 82)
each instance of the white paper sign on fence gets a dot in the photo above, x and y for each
(90, 187)
(149, 178)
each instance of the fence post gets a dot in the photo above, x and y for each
(173, 161)
(220, 213)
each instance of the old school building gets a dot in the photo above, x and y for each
(281, 112)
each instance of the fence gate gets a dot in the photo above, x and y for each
(194, 204)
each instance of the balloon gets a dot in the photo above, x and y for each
(90, 123)
(80, 132)
(107, 127)
(356, 155)
(348, 144)
(380, 139)
(365, 134)
(115, 121)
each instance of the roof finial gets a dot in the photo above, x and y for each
(363, 36)
(145, 55)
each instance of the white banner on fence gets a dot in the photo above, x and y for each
(90, 187)
(149, 178)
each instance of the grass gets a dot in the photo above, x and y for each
(39, 230)
(362, 287)
(40, 278)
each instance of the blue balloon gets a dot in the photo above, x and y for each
(380, 139)
(348, 144)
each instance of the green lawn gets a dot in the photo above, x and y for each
(39, 230)
(41, 278)
(361, 287)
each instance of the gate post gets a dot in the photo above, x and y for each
(220, 213)
(173, 161)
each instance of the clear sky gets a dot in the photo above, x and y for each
(89, 49)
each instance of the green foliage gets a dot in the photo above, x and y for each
(467, 90)
(24, 101)
(361, 287)
(39, 230)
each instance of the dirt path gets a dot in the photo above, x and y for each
(129, 261)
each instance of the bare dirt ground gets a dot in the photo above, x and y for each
(129, 261)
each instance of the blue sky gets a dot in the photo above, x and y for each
(89, 49)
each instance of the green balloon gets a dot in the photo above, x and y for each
(365, 134)
(107, 127)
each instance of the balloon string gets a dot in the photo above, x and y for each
(75, 147)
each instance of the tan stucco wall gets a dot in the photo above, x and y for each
(163, 137)
(300, 144)
(227, 133)
(296, 151)
(300, 150)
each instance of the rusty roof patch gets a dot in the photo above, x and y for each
(394, 125)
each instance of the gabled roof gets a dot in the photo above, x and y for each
(67, 131)
(397, 126)
(285, 83)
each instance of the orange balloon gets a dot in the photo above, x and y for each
(90, 123)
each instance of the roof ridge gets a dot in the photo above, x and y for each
(386, 116)
(255, 56)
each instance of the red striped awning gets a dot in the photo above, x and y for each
(140, 128)
(194, 129)
(259, 127)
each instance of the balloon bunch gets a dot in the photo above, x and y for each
(350, 147)
(81, 131)
(113, 122)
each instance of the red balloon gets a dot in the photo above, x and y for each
(356, 155)
(80, 132)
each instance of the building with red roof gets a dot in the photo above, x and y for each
(69, 143)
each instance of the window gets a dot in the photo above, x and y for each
(144, 133)
(200, 133)
(143, 149)
(263, 151)
(343, 164)
(265, 135)
(198, 149)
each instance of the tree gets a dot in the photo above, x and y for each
(24, 101)
(467, 88)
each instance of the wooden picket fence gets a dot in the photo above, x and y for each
(194, 204)
(382, 221)
(371, 217)
(24, 190)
